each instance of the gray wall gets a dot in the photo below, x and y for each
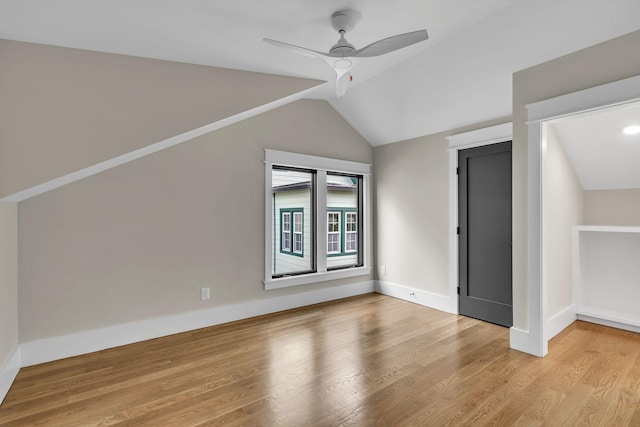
(612, 207)
(564, 208)
(411, 183)
(140, 240)
(8, 281)
(412, 213)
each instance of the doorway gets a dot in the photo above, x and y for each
(485, 233)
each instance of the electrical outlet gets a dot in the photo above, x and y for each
(383, 270)
(205, 294)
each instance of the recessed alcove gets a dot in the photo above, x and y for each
(607, 275)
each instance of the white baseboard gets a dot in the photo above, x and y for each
(8, 373)
(560, 321)
(48, 349)
(519, 340)
(610, 323)
(428, 299)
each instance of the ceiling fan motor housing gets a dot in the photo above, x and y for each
(344, 20)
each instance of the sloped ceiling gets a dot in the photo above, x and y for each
(603, 157)
(68, 113)
(460, 76)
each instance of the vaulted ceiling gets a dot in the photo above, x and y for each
(602, 155)
(460, 76)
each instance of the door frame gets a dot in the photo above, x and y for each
(539, 115)
(462, 141)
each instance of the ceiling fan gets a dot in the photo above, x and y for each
(342, 55)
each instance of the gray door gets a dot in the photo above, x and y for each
(484, 205)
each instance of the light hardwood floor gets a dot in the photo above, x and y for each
(370, 360)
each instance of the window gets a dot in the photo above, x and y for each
(286, 232)
(291, 218)
(342, 239)
(333, 232)
(345, 204)
(297, 232)
(316, 209)
(292, 206)
(351, 232)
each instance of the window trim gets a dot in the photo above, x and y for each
(321, 165)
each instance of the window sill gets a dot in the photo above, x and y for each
(305, 279)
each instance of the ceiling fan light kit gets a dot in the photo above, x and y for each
(344, 21)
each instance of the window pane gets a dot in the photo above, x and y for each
(292, 221)
(286, 231)
(333, 232)
(351, 233)
(343, 217)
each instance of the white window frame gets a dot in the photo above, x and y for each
(321, 165)
(334, 233)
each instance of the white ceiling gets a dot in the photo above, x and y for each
(603, 157)
(460, 76)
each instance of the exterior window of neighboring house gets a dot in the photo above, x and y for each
(351, 232)
(292, 218)
(286, 232)
(342, 232)
(297, 232)
(333, 232)
(302, 192)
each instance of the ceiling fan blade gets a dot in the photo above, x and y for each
(297, 49)
(391, 43)
(343, 78)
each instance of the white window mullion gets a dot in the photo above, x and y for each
(321, 209)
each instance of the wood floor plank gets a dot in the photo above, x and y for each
(366, 360)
